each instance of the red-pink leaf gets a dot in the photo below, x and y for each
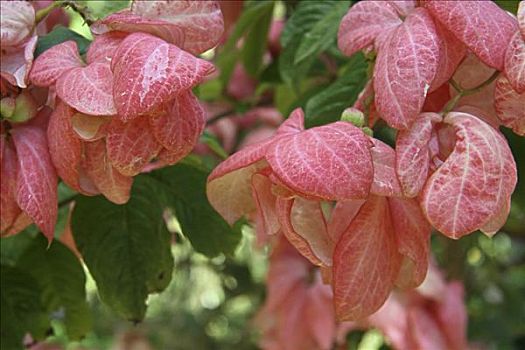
(54, 62)
(328, 162)
(294, 123)
(15, 63)
(112, 184)
(104, 46)
(88, 89)
(18, 20)
(341, 217)
(413, 241)
(363, 23)
(131, 146)
(36, 190)
(385, 180)
(452, 316)
(10, 209)
(65, 148)
(515, 63)
(437, 99)
(472, 184)
(149, 72)
(405, 68)
(413, 154)
(510, 106)
(365, 262)
(481, 25)
(498, 220)
(425, 332)
(179, 126)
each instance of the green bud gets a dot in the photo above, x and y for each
(353, 116)
(7, 107)
(368, 131)
(25, 108)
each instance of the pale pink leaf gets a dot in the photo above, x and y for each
(365, 262)
(405, 68)
(9, 163)
(413, 154)
(265, 200)
(481, 25)
(88, 89)
(385, 179)
(413, 241)
(330, 162)
(391, 320)
(363, 23)
(292, 125)
(403, 7)
(342, 215)
(90, 127)
(104, 46)
(515, 63)
(452, 316)
(179, 126)
(521, 17)
(510, 106)
(474, 181)
(15, 63)
(112, 184)
(498, 220)
(54, 62)
(36, 190)
(424, 331)
(149, 72)
(17, 20)
(320, 315)
(131, 146)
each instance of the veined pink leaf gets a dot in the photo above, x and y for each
(65, 148)
(481, 25)
(521, 17)
(365, 262)
(149, 72)
(405, 68)
(510, 106)
(515, 62)
(413, 241)
(265, 200)
(363, 23)
(292, 125)
(403, 7)
(179, 126)
(18, 20)
(16, 63)
(9, 163)
(54, 62)
(475, 180)
(385, 180)
(104, 46)
(330, 162)
(131, 146)
(112, 184)
(342, 215)
(413, 154)
(90, 127)
(88, 89)
(194, 26)
(498, 220)
(36, 190)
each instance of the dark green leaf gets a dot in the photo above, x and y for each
(509, 5)
(127, 248)
(63, 282)
(185, 186)
(59, 35)
(21, 308)
(328, 105)
(255, 42)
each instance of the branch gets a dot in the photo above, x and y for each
(465, 92)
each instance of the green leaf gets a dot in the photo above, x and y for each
(256, 40)
(127, 248)
(59, 35)
(292, 73)
(63, 283)
(185, 186)
(509, 5)
(211, 141)
(21, 308)
(14, 246)
(327, 106)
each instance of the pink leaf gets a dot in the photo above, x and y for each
(36, 180)
(515, 63)
(365, 262)
(521, 18)
(104, 46)
(89, 127)
(385, 180)
(54, 62)
(112, 184)
(131, 146)
(498, 220)
(403, 7)
(320, 315)
(413, 241)
(65, 148)
(265, 200)
(452, 316)
(510, 106)
(405, 68)
(481, 25)
(363, 23)
(328, 162)
(10, 210)
(342, 215)
(294, 123)
(179, 126)
(425, 332)
(149, 72)
(413, 154)
(88, 89)
(15, 63)
(475, 180)
(18, 20)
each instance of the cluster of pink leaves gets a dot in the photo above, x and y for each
(129, 103)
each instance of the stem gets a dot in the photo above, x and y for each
(462, 92)
(219, 116)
